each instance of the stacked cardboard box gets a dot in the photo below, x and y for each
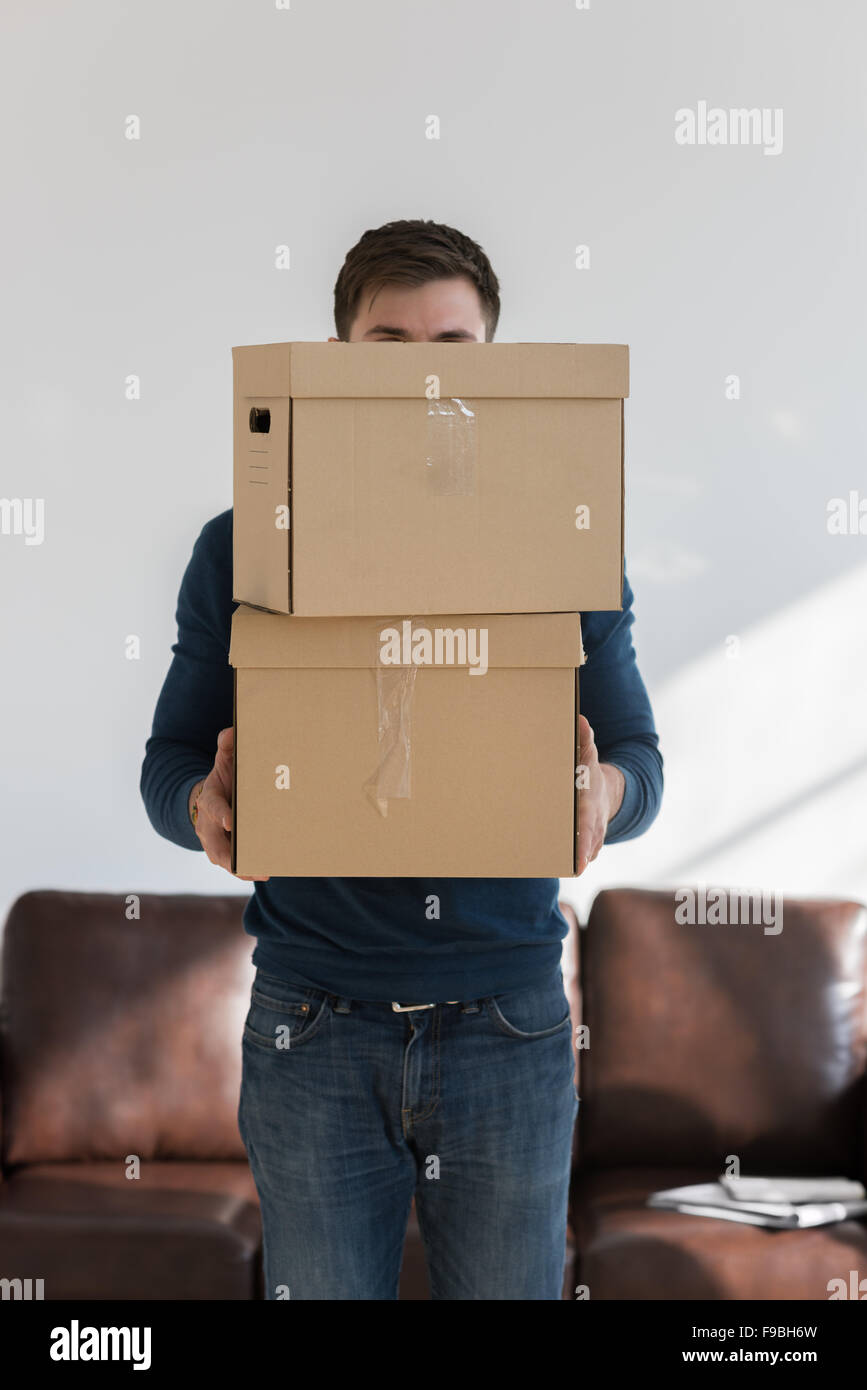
(417, 527)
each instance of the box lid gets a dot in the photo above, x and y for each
(261, 639)
(465, 370)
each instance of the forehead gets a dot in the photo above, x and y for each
(435, 307)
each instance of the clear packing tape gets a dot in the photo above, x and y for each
(452, 446)
(451, 452)
(392, 779)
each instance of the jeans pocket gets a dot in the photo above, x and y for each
(537, 1011)
(282, 1015)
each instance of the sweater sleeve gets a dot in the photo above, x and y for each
(196, 700)
(614, 700)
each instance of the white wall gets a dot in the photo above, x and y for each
(306, 126)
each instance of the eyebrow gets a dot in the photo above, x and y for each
(400, 332)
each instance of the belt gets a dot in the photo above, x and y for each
(405, 1008)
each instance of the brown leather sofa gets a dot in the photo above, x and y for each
(120, 1041)
(122, 1173)
(706, 1042)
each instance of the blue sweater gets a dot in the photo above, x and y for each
(369, 938)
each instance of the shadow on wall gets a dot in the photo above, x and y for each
(764, 739)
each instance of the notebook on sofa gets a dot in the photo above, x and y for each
(784, 1203)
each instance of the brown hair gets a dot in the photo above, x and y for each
(412, 253)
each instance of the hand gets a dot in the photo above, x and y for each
(214, 816)
(599, 802)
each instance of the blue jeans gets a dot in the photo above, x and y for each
(348, 1109)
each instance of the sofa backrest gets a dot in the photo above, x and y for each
(713, 1040)
(121, 1035)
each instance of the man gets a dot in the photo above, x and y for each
(425, 1058)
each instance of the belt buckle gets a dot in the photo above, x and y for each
(407, 1008)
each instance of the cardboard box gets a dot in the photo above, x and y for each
(359, 490)
(444, 746)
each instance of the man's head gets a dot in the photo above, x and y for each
(416, 281)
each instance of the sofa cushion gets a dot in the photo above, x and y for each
(710, 1041)
(180, 1230)
(123, 1036)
